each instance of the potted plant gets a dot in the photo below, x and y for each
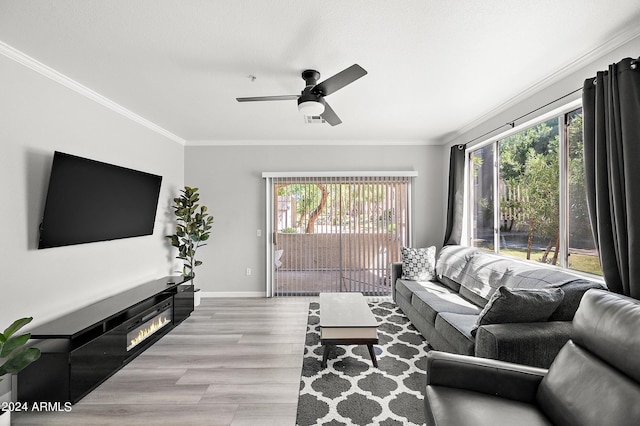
(14, 357)
(192, 230)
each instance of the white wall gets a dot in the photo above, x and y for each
(230, 182)
(38, 116)
(549, 91)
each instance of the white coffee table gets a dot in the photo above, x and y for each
(345, 319)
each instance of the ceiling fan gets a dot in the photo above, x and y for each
(311, 100)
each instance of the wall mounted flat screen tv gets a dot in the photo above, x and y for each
(90, 201)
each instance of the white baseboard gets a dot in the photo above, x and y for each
(220, 294)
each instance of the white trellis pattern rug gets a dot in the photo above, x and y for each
(350, 391)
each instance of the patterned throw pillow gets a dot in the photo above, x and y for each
(418, 264)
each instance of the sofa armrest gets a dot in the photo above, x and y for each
(533, 343)
(488, 376)
(396, 272)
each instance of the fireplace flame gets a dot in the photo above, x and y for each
(154, 326)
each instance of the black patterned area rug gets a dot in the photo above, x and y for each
(350, 391)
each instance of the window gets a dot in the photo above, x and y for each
(582, 254)
(481, 190)
(528, 201)
(529, 193)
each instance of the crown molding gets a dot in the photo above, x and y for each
(310, 142)
(31, 63)
(609, 46)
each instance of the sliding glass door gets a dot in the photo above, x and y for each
(336, 233)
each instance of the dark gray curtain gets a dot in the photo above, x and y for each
(453, 232)
(611, 108)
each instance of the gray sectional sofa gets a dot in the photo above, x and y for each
(445, 310)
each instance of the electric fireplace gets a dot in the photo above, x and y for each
(149, 324)
(83, 348)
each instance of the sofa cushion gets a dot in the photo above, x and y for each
(418, 264)
(406, 287)
(449, 283)
(456, 329)
(486, 271)
(479, 273)
(472, 296)
(429, 303)
(542, 277)
(519, 305)
(451, 264)
(573, 292)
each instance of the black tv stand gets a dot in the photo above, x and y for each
(82, 349)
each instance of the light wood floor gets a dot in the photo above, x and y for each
(233, 362)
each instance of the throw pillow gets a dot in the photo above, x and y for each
(418, 264)
(519, 305)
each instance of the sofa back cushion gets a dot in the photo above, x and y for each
(534, 276)
(479, 274)
(485, 274)
(594, 380)
(452, 264)
(573, 292)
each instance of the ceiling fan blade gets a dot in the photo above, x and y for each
(339, 80)
(269, 98)
(330, 116)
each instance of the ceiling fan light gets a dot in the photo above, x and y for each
(311, 108)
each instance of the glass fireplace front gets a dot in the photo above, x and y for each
(150, 324)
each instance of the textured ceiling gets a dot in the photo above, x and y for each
(434, 66)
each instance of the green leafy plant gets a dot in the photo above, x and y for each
(192, 230)
(12, 352)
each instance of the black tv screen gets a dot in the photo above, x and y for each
(90, 201)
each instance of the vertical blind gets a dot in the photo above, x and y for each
(336, 233)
